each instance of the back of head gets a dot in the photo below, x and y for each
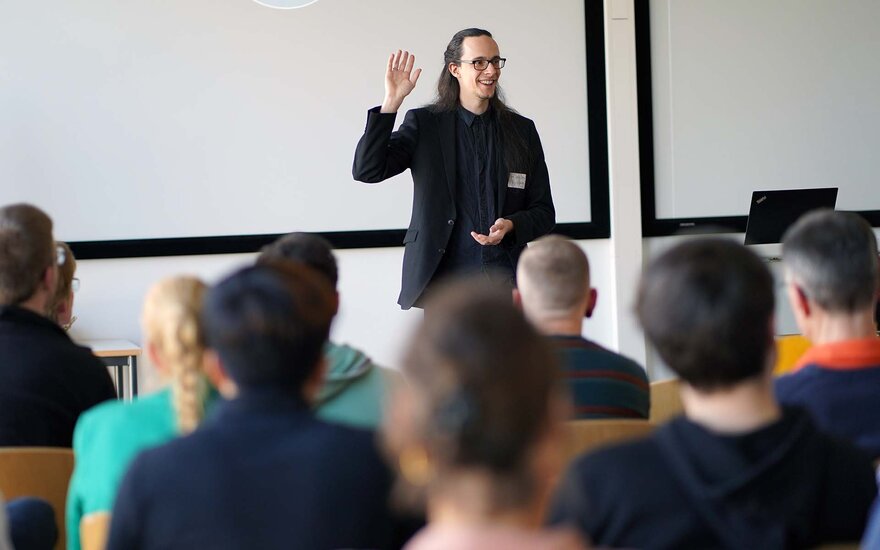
(306, 248)
(171, 326)
(553, 277)
(26, 250)
(485, 382)
(832, 256)
(268, 323)
(707, 307)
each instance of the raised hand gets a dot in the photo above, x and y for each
(499, 229)
(400, 79)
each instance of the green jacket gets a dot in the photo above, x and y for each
(354, 389)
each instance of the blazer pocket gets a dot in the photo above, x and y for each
(411, 236)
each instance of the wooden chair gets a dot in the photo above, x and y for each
(789, 350)
(665, 401)
(589, 435)
(93, 530)
(42, 472)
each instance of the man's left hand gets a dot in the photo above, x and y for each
(499, 229)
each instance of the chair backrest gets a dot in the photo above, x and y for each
(589, 435)
(789, 350)
(93, 530)
(42, 472)
(665, 401)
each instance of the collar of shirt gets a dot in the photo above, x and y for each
(468, 117)
(843, 355)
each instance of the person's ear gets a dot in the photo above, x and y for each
(216, 374)
(49, 280)
(454, 69)
(336, 303)
(155, 359)
(517, 298)
(315, 382)
(64, 310)
(591, 303)
(800, 300)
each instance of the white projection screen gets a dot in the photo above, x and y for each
(199, 126)
(745, 95)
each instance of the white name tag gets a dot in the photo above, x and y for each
(516, 181)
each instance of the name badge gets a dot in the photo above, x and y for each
(516, 181)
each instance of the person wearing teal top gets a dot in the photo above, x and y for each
(109, 436)
(355, 388)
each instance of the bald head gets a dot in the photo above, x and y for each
(553, 280)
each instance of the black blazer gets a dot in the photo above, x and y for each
(425, 143)
(46, 381)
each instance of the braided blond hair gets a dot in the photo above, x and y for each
(171, 324)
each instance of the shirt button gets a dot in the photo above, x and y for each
(442, 251)
(451, 222)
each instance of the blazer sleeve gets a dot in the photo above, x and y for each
(539, 216)
(382, 153)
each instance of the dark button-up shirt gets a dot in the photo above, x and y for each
(476, 171)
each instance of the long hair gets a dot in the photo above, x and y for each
(171, 323)
(516, 152)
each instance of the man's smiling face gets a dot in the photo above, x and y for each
(476, 85)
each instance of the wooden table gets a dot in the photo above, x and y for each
(121, 356)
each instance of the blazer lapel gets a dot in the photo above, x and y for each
(446, 121)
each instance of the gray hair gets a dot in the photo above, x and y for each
(553, 275)
(832, 256)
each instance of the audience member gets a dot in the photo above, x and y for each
(108, 437)
(46, 381)
(737, 470)
(354, 387)
(479, 425)
(871, 540)
(5, 543)
(31, 524)
(553, 287)
(831, 275)
(261, 471)
(61, 308)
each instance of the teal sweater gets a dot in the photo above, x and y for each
(106, 439)
(354, 389)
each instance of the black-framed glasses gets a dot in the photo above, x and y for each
(483, 64)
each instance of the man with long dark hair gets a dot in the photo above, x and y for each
(481, 188)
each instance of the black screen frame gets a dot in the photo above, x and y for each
(652, 226)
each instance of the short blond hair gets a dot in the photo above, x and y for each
(553, 276)
(170, 323)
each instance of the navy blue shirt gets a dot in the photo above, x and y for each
(476, 174)
(260, 472)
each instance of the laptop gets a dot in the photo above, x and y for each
(772, 212)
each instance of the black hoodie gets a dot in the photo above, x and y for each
(786, 485)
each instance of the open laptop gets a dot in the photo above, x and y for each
(772, 212)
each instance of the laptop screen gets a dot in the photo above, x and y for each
(773, 212)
